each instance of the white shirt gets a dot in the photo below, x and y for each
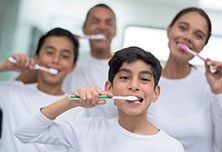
(18, 102)
(91, 71)
(94, 134)
(188, 111)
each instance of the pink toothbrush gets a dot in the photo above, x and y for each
(183, 47)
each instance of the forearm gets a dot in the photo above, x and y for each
(39, 129)
(54, 110)
(217, 120)
(3, 66)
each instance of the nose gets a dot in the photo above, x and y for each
(101, 26)
(134, 85)
(188, 36)
(56, 59)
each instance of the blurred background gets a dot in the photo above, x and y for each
(139, 22)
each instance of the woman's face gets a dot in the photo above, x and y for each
(190, 29)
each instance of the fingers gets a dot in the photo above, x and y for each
(23, 62)
(213, 66)
(89, 96)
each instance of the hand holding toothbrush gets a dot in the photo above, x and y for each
(21, 63)
(88, 97)
(213, 70)
(213, 67)
(28, 63)
(214, 79)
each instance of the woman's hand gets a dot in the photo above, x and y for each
(214, 79)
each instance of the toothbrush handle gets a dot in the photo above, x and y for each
(11, 59)
(73, 97)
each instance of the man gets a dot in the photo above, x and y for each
(92, 68)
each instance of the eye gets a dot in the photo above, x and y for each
(199, 36)
(49, 51)
(66, 56)
(110, 22)
(124, 77)
(145, 79)
(94, 21)
(182, 27)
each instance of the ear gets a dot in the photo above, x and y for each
(156, 93)
(108, 86)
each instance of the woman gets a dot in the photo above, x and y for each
(190, 103)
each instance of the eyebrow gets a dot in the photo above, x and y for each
(129, 71)
(50, 47)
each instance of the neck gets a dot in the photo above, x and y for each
(101, 53)
(50, 89)
(175, 69)
(137, 124)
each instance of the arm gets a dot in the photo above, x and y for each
(41, 128)
(22, 63)
(217, 120)
(215, 82)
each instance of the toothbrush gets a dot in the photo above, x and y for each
(37, 67)
(129, 98)
(185, 48)
(93, 37)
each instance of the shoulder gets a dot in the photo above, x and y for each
(171, 142)
(11, 84)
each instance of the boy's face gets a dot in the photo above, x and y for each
(134, 79)
(101, 21)
(56, 52)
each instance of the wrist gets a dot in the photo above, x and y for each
(3, 66)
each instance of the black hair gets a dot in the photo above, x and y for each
(99, 5)
(60, 32)
(197, 10)
(130, 54)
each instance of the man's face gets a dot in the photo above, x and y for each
(101, 21)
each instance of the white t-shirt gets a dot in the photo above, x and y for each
(188, 111)
(18, 102)
(94, 134)
(91, 71)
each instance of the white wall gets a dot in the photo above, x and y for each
(46, 14)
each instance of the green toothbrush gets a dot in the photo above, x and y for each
(129, 98)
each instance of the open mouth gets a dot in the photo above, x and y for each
(136, 100)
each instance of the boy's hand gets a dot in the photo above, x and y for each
(89, 96)
(214, 79)
(22, 63)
